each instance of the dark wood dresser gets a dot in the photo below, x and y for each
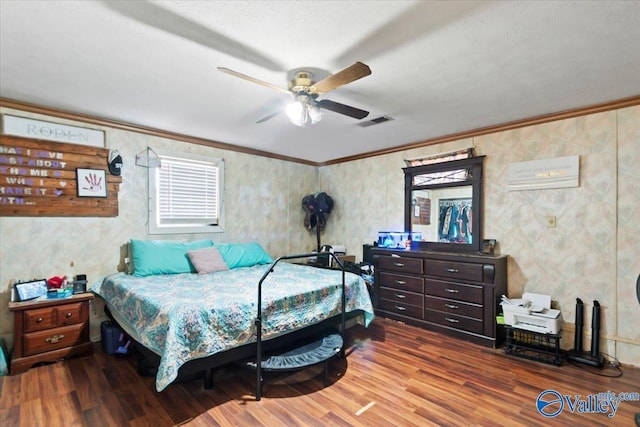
(455, 294)
(50, 329)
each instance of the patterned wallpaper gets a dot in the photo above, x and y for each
(628, 232)
(262, 203)
(591, 254)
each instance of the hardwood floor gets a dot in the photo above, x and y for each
(394, 374)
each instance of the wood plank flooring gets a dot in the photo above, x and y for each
(394, 374)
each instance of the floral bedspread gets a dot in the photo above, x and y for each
(188, 316)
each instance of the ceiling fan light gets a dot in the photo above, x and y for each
(297, 113)
(315, 114)
(304, 111)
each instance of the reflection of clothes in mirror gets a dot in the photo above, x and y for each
(445, 221)
(448, 219)
(464, 224)
(455, 225)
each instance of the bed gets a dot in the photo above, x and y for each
(190, 323)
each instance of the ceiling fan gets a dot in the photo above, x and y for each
(306, 108)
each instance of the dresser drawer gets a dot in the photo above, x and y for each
(44, 318)
(456, 291)
(402, 308)
(401, 297)
(454, 307)
(52, 339)
(406, 265)
(398, 281)
(453, 270)
(454, 321)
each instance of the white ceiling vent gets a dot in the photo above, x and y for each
(375, 121)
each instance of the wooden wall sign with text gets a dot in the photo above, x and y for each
(38, 178)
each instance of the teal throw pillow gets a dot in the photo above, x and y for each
(237, 255)
(151, 257)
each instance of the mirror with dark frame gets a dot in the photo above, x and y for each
(443, 205)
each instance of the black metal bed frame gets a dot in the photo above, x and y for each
(308, 351)
(204, 368)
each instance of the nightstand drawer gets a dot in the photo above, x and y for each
(45, 318)
(39, 319)
(454, 270)
(69, 314)
(405, 283)
(52, 339)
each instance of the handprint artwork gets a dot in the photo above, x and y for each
(91, 183)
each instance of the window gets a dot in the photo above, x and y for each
(186, 195)
(445, 177)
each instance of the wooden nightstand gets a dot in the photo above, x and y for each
(50, 329)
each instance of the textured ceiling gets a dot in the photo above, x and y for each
(437, 67)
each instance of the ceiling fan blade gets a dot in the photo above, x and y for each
(157, 16)
(269, 117)
(254, 80)
(348, 75)
(347, 110)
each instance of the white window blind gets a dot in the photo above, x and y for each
(185, 195)
(188, 192)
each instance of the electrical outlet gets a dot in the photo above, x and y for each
(551, 221)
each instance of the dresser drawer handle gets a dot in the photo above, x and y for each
(68, 315)
(39, 320)
(453, 270)
(451, 291)
(451, 306)
(54, 339)
(450, 320)
(400, 296)
(398, 264)
(401, 282)
(400, 308)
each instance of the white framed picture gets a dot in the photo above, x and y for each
(91, 182)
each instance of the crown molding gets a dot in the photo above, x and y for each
(85, 118)
(546, 118)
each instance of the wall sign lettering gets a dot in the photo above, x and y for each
(39, 178)
(559, 172)
(32, 128)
